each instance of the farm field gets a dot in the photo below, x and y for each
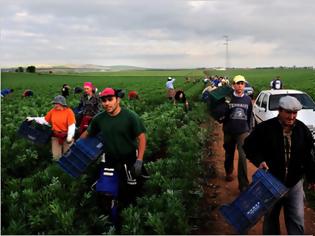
(39, 198)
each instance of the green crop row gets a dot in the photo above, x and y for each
(39, 198)
(172, 193)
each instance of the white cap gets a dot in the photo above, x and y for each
(290, 103)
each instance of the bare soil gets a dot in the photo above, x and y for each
(218, 192)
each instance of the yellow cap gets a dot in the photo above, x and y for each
(239, 78)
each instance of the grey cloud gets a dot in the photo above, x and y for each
(68, 30)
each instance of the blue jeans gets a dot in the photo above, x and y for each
(231, 141)
(293, 205)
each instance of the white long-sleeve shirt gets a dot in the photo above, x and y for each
(169, 84)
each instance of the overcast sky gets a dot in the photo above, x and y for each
(159, 33)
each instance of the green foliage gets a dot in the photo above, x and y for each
(172, 193)
(39, 198)
(162, 214)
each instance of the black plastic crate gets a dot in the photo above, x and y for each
(34, 132)
(245, 211)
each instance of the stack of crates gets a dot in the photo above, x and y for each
(80, 155)
(260, 196)
(34, 132)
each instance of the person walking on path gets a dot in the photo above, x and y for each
(284, 146)
(236, 127)
(123, 133)
(62, 120)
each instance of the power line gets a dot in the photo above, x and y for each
(226, 43)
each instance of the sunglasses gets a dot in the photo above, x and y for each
(104, 99)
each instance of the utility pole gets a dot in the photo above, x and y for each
(226, 43)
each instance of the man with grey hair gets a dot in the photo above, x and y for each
(284, 146)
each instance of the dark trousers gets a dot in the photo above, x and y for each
(231, 141)
(129, 187)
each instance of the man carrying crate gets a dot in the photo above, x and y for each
(284, 146)
(123, 133)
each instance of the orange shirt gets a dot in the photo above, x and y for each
(60, 119)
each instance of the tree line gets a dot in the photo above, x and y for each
(29, 69)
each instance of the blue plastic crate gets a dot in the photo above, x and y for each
(68, 167)
(36, 133)
(76, 110)
(78, 159)
(74, 163)
(91, 147)
(80, 155)
(245, 211)
(108, 182)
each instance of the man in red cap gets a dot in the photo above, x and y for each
(123, 133)
(89, 106)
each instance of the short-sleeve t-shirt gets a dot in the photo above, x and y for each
(118, 132)
(60, 119)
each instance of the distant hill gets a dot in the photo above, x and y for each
(76, 68)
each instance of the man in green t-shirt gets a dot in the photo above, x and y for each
(124, 138)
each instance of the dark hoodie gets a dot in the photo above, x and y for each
(239, 115)
(266, 143)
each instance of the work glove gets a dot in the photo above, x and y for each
(137, 167)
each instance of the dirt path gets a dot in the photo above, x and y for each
(218, 192)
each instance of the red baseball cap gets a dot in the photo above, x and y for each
(108, 92)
